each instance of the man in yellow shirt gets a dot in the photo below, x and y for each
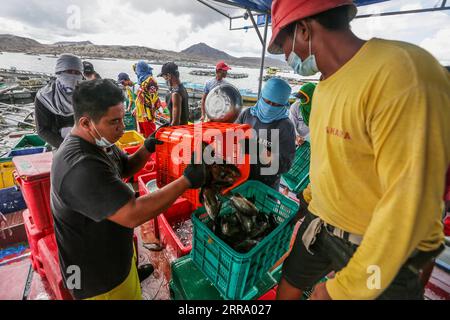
(380, 149)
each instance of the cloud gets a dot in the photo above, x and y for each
(177, 24)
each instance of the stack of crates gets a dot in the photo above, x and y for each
(33, 176)
(130, 122)
(11, 198)
(171, 160)
(189, 283)
(236, 275)
(297, 179)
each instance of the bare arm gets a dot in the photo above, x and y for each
(136, 162)
(203, 106)
(176, 109)
(138, 211)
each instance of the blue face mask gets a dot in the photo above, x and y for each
(102, 142)
(267, 113)
(303, 68)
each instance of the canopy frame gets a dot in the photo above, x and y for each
(251, 11)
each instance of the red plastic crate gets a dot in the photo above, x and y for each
(171, 160)
(50, 261)
(34, 235)
(33, 176)
(181, 210)
(142, 184)
(143, 180)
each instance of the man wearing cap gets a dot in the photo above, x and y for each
(379, 154)
(301, 110)
(53, 104)
(275, 133)
(147, 101)
(221, 73)
(89, 72)
(178, 98)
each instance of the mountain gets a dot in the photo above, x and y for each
(13, 43)
(196, 55)
(205, 51)
(72, 43)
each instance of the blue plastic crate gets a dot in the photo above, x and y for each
(24, 152)
(297, 179)
(11, 200)
(236, 275)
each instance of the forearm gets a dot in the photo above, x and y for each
(203, 105)
(136, 162)
(141, 210)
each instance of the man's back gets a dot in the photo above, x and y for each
(86, 190)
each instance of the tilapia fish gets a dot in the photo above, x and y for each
(243, 205)
(210, 200)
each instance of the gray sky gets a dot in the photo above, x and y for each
(177, 24)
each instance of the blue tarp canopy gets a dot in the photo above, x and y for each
(265, 5)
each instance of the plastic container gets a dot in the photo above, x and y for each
(173, 156)
(11, 200)
(297, 179)
(129, 121)
(33, 177)
(30, 141)
(130, 139)
(25, 152)
(34, 235)
(181, 210)
(50, 262)
(234, 274)
(189, 283)
(6, 173)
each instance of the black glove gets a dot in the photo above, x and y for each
(151, 143)
(196, 174)
(302, 209)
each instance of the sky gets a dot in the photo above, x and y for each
(177, 24)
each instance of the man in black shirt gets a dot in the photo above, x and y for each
(178, 98)
(94, 210)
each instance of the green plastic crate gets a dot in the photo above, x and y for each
(189, 283)
(30, 141)
(129, 121)
(297, 179)
(235, 275)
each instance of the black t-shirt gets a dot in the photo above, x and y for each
(184, 118)
(87, 188)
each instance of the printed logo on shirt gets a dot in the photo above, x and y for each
(339, 133)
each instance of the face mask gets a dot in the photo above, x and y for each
(67, 82)
(102, 142)
(303, 68)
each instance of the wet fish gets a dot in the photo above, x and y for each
(210, 200)
(243, 205)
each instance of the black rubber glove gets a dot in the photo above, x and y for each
(196, 174)
(151, 143)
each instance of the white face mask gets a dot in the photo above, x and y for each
(303, 68)
(102, 142)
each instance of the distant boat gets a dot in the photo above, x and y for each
(272, 71)
(205, 73)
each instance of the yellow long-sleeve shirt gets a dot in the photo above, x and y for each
(380, 138)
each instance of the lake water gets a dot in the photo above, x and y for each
(110, 69)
